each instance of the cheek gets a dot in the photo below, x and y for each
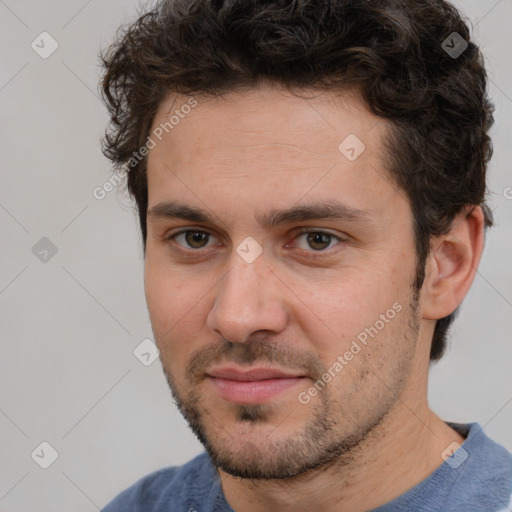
(170, 304)
(178, 300)
(335, 312)
(167, 296)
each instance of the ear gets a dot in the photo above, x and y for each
(452, 264)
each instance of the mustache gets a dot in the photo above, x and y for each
(246, 353)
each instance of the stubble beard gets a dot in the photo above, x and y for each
(317, 445)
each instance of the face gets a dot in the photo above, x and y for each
(279, 267)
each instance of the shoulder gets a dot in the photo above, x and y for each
(178, 485)
(484, 474)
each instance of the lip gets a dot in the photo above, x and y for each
(252, 386)
(252, 374)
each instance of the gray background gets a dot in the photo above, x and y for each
(69, 325)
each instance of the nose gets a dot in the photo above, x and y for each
(250, 298)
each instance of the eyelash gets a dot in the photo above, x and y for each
(314, 254)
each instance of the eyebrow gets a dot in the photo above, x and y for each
(312, 211)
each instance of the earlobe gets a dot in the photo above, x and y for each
(452, 264)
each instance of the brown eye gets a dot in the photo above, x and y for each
(196, 239)
(318, 241)
(193, 239)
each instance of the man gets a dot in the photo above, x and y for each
(310, 179)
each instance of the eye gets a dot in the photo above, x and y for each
(314, 240)
(193, 238)
(319, 241)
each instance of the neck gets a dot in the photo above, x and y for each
(399, 453)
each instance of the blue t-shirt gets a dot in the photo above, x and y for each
(476, 478)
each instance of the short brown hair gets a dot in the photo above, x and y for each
(396, 52)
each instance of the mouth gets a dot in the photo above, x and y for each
(252, 386)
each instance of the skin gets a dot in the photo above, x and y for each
(302, 302)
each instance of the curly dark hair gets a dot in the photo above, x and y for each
(395, 52)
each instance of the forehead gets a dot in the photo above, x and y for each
(273, 116)
(268, 145)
